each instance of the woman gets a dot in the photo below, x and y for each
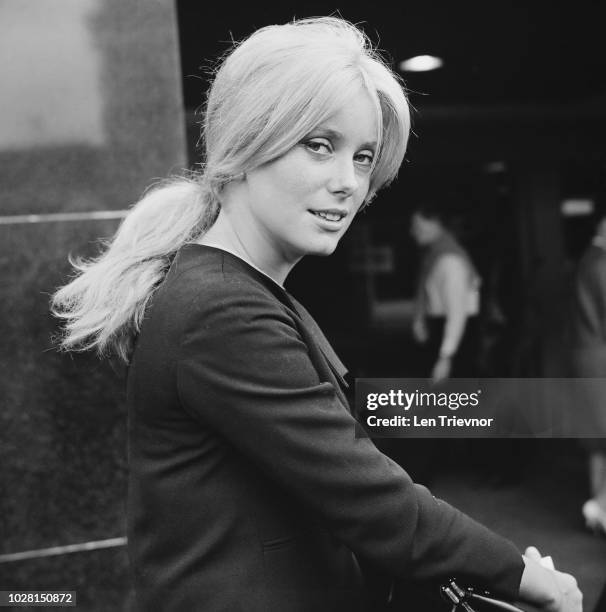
(448, 297)
(248, 490)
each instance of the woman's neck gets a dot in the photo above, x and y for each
(225, 236)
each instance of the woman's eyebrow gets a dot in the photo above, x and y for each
(336, 135)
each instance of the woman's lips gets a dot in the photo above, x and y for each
(334, 215)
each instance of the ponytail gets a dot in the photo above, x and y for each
(103, 306)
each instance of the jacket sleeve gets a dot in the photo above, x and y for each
(245, 372)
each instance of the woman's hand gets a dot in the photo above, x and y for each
(548, 589)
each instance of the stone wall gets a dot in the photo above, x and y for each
(91, 113)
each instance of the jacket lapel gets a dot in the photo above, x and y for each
(320, 339)
(322, 351)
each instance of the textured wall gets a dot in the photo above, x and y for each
(91, 112)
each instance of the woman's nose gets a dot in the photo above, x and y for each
(344, 180)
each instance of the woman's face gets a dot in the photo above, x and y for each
(303, 202)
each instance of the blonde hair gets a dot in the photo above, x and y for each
(269, 92)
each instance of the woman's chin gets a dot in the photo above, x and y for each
(323, 250)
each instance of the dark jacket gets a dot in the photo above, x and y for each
(248, 490)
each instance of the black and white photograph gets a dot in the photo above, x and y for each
(303, 306)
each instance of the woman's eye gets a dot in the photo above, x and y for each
(319, 146)
(364, 159)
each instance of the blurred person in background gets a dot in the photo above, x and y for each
(446, 326)
(589, 361)
(447, 302)
(248, 488)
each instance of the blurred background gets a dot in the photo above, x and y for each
(101, 97)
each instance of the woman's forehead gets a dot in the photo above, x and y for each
(355, 120)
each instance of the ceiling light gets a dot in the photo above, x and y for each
(421, 63)
(577, 207)
(495, 167)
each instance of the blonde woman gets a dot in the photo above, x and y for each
(248, 490)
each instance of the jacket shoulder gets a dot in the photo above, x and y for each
(209, 290)
(202, 279)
